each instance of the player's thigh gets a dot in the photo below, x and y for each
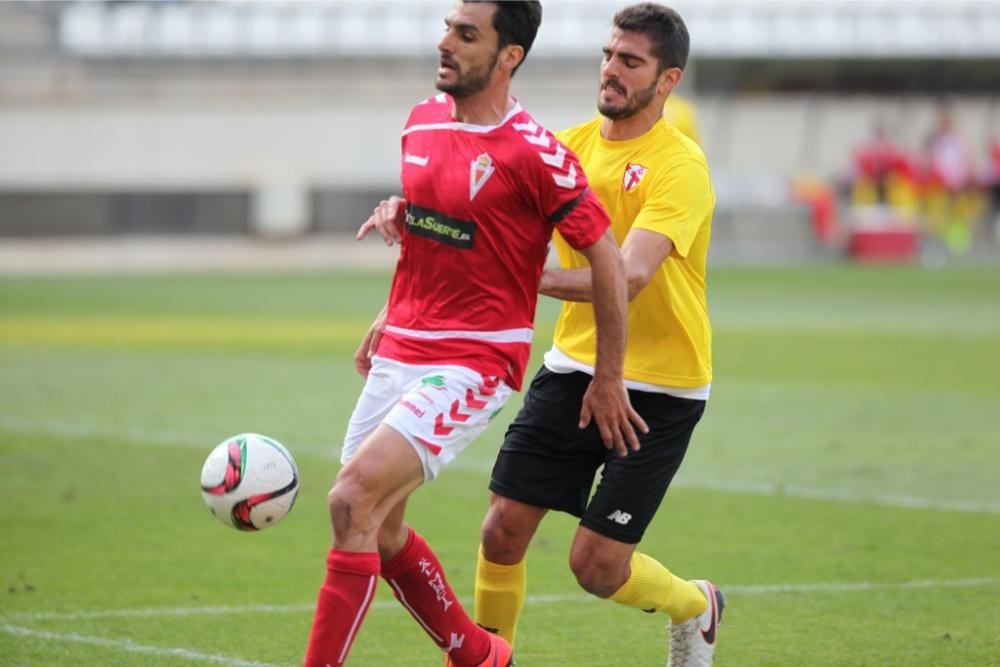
(546, 459)
(444, 410)
(381, 474)
(382, 390)
(632, 487)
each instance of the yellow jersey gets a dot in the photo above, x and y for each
(658, 182)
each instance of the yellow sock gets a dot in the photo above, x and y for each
(650, 586)
(499, 598)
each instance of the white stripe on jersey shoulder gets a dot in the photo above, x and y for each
(501, 336)
(538, 136)
(463, 127)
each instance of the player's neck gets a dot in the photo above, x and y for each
(488, 107)
(634, 126)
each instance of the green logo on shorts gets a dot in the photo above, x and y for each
(495, 414)
(433, 380)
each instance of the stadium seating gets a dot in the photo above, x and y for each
(295, 102)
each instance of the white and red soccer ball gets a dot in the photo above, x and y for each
(249, 482)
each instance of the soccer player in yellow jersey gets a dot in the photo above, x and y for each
(655, 184)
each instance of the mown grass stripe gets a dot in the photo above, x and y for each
(188, 331)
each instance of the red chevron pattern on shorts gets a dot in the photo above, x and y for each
(488, 386)
(440, 428)
(472, 401)
(435, 449)
(460, 417)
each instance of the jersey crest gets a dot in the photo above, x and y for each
(633, 175)
(479, 172)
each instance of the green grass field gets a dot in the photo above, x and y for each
(844, 486)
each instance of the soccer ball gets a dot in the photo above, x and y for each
(249, 482)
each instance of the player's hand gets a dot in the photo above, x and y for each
(369, 345)
(387, 219)
(606, 402)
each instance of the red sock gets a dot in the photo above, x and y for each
(351, 578)
(418, 582)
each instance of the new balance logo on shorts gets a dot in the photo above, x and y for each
(620, 517)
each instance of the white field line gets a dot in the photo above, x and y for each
(130, 646)
(167, 438)
(733, 589)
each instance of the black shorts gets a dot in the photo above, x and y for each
(546, 460)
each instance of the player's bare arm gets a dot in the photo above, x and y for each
(369, 344)
(606, 400)
(643, 252)
(387, 219)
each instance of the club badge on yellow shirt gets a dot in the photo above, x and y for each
(633, 175)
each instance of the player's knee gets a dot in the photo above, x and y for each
(503, 540)
(348, 505)
(496, 548)
(596, 576)
(338, 502)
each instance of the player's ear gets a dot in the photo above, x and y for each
(510, 57)
(668, 79)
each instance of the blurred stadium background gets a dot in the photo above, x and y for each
(157, 121)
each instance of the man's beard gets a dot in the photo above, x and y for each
(470, 82)
(633, 103)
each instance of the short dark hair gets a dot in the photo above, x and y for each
(516, 22)
(663, 26)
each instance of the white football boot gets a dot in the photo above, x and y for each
(692, 643)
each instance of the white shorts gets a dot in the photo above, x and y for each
(440, 410)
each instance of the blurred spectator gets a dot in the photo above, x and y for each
(952, 199)
(994, 182)
(682, 114)
(885, 175)
(949, 159)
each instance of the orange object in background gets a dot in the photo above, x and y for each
(822, 204)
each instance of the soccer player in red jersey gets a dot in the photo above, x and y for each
(484, 187)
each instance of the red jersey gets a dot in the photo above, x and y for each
(482, 202)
